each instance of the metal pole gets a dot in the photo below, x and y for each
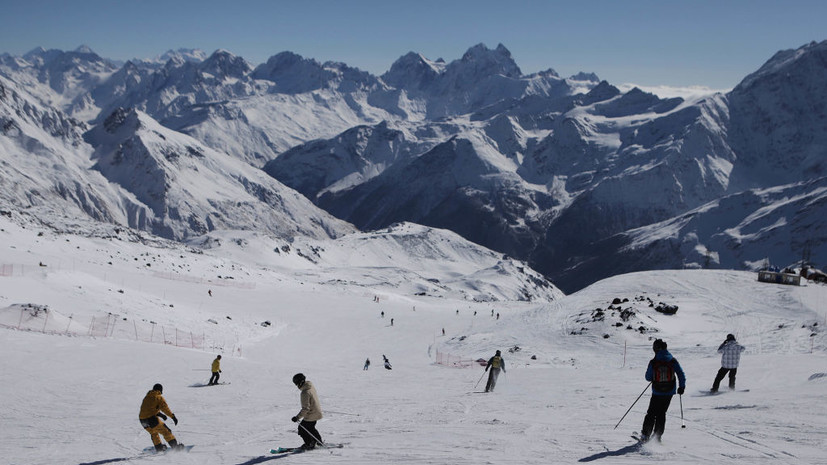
(478, 381)
(683, 424)
(311, 435)
(633, 404)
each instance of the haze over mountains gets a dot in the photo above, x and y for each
(574, 176)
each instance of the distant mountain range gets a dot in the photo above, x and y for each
(573, 175)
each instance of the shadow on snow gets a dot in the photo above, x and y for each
(612, 453)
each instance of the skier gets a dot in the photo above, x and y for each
(154, 410)
(496, 363)
(730, 352)
(387, 363)
(661, 372)
(216, 369)
(367, 364)
(310, 413)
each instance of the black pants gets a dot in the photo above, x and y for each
(655, 419)
(214, 377)
(720, 376)
(307, 430)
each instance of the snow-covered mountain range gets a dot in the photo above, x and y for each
(573, 175)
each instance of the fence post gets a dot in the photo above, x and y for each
(20, 323)
(91, 325)
(164, 333)
(70, 323)
(45, 320)
(135, 325)
(114, 320)
(152, 333)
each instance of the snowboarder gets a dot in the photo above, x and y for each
(216, 370)
(387, 363)
(661, 372)
(496, 363)
(730, 352)
(310, 413)
(154, 410)
(367, 364)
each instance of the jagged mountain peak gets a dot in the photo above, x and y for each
(225, 63)
(83, 48)
(187, 54)
(785, 60)
(486, 61)
(583, 76)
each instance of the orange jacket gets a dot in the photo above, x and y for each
(153, 403)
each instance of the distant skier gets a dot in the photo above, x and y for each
(154, 410)
(730, 352)
(387, 363)
(661, 372)
(216, 370)
(496, 363)
(310, 413)
(367, 364)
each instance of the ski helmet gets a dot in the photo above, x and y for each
(158, 387)
(730, 337)
(659, 344)
(298, 379)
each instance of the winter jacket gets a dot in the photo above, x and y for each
(496, 362)
(216, 366)
(665, 356)
(311, 408)
(730, 354)
(153, 404)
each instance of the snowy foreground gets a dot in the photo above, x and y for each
(68, 398)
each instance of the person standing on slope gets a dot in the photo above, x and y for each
(496, 363)
(730, 352)
(662, 371)
(216, 370)
(310, 413)
(387, 363)
(367, 364)
(154, 410)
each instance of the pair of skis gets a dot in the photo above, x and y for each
(299, 450)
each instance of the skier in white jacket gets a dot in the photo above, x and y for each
(730, 352)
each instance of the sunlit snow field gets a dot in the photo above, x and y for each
(74, 399)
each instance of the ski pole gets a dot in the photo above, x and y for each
(478, 381)
(633, 404)
(311, 435)
(683, 424)
(343, 413)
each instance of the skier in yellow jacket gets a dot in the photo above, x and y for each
(216, 369)
(310, 413)
(154, 410)
(496, 363)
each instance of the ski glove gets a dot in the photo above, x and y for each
(680, 391)
(175, 420)
(294, 419)
(163, 417)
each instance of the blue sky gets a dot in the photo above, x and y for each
(664, 42)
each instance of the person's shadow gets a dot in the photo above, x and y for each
(612, 453)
